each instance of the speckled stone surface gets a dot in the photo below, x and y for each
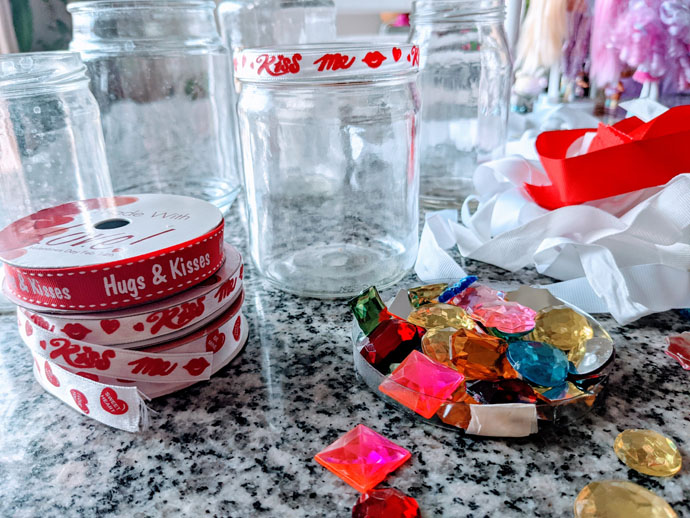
(241, 445)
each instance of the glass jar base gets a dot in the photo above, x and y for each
(220, 193)
(445, 193)
(337, 270)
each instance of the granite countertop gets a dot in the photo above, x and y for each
(242, 444)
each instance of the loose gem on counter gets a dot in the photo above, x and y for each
(648, 452)
(475, 296)
(362, 458)
(538, 363)
(620, 499)
(391, 342)
(506, 317)
(441, 315)
(385, 503)
(457, 288)
(457, 411)
(367, 308)
(421, 384)
(502, 391)
(561, 327)
(425, 294)
(679, 349)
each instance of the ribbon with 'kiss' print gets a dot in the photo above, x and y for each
(119, 403)
(150, 324)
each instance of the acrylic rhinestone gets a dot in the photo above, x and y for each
(502, 391)
(457, 412)
(385, 503)
(507, 317)
(457, 288)
(480, 357)
(648, 452)
(391, 342)
(538, 363)
(362, 458)
(477, 295)
(367, 308)
(421, 384)
(425, 294)
(441, 315)
(561, 327)
(679, 349)
(599, 353)
(620, 499)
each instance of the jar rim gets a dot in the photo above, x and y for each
(31, 72)
(92, 5)
(458, 11)
(326, 62)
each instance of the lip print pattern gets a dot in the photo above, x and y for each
(374, 59)
(110, 326)
(237, 328)
(76, 331)
(111, 404)
(80, 400)
(196, 366)
(215, 341)
(52, 379)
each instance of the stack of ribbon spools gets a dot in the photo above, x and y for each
(124, 299)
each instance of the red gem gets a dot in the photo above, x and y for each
(386, 503)
(391, 342)
(679, 349)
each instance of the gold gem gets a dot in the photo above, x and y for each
(436, 344)
(648, 452)
(618, 498)
(561, 327)
(441, 315)
(425, 294)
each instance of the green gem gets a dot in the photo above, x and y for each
(425, 294)
(509, 337)
(367, 306)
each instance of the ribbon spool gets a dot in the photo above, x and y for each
(109, 253)
(150, 324)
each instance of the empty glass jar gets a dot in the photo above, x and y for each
(160, 74)
(51, 145)
(329, 141)
(464, 80)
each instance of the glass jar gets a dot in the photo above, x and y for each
(464, 80)
(160, 74)
(329, 141)
(51, 145)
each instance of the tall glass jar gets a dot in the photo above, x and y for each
(329, 149)
(51, 145)
(160, 74)
(464, 80)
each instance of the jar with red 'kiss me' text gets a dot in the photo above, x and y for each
(328, 137)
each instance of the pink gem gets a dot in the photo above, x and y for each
(507, 317)
(362, 458)
(421, 384)
(476, 295)
(679, 349)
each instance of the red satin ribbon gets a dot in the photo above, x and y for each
(626, 157)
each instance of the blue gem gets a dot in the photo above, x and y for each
(457, 288)
(538, 363)
(685, 313)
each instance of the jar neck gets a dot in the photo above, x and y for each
(143, 25)
(39, 73)
(458, 12)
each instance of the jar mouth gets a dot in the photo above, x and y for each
(92, 5)
(458, 11)
(326, 62)
(33, 72)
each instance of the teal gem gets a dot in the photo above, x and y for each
(508, 337)
(367, 306)
(538, 363)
